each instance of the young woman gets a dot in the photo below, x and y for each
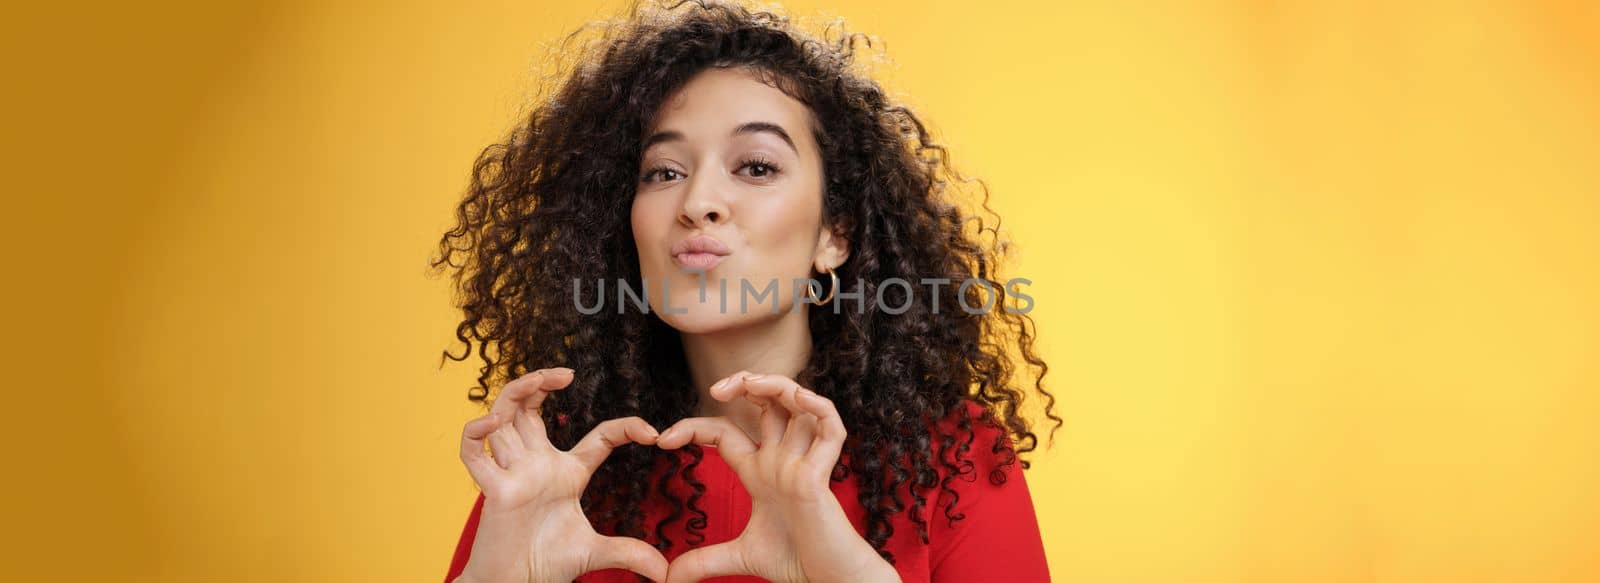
(626, 260)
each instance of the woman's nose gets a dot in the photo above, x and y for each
(703, 204)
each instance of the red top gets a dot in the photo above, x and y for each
(998, 540)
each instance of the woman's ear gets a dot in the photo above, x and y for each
(832, 249)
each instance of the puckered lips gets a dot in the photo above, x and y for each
(699, 252)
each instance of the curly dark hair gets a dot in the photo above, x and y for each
(551, 204)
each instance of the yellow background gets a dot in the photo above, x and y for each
(1317, 280)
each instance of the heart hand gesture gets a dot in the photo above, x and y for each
(797, 532)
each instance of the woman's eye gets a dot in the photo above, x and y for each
(758, 169)
(654, 174)
(761, 169)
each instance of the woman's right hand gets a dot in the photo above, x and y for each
(532, 528)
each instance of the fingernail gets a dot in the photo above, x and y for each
(754, 377)
(721, 383)
(561, 369)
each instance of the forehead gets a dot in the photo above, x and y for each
(716, 101)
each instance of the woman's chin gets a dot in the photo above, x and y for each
(708, 317)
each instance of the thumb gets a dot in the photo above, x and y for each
(624, 552)
(707, 562)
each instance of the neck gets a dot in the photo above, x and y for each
(779, 347)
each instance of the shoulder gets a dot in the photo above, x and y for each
(968, 426)
(983, 509)
(971, 442)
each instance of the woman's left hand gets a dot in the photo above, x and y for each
(797, 532)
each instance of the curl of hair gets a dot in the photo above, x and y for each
(550, 205)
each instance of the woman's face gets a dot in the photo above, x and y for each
(730, 194)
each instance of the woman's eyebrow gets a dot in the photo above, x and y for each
(751, 127)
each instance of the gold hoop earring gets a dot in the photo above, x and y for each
(812, 295)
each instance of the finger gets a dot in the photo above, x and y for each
(829, 441)
(524, 396)
(528, 391)
(530, 428)
(774, 417)
(707, 562)
(621, 552)
(504, 442)
(609, 435)
(479, 465)
(776, 388)
(718, 432)
(797, 437)
(782, 390)
(774, 421)
(730, 388)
